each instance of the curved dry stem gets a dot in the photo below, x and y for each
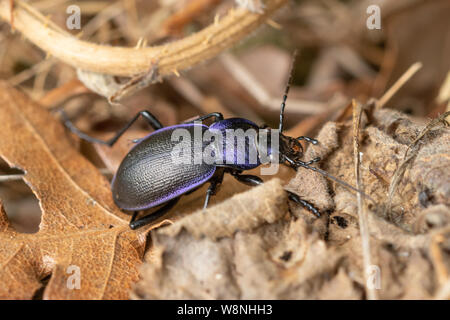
(123, 61)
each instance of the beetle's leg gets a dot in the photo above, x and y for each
(308, 163)
(217, 115)
(134, 216)
(134, 224)
(299, 163)
(310, 140)
(216, 181)
(304, 203)
(248, 179)
(211, 191)
(151, 119)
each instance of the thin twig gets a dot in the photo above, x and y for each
(178, 55)
(362, 213)
(398, 84)
(30, 72)
(11, 177)
(16, 177)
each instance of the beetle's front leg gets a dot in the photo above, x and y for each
(299, 163)
(308, 139)
(294, 197)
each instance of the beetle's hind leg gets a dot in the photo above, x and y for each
(135, 224)
(151, 119)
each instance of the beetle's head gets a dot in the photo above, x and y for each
(290, 147)
(276, 147)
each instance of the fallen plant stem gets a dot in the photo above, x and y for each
(28, 73)
(11, 177)
(16, 177)
(178, 55)
(362, 212)
(398, 84)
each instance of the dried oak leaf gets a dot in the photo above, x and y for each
(80, 224)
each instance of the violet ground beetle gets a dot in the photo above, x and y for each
(147, 177)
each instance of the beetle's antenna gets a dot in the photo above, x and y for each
(329, 176)
(286, 91)
(341, 182)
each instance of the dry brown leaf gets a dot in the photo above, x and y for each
(80, 224)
